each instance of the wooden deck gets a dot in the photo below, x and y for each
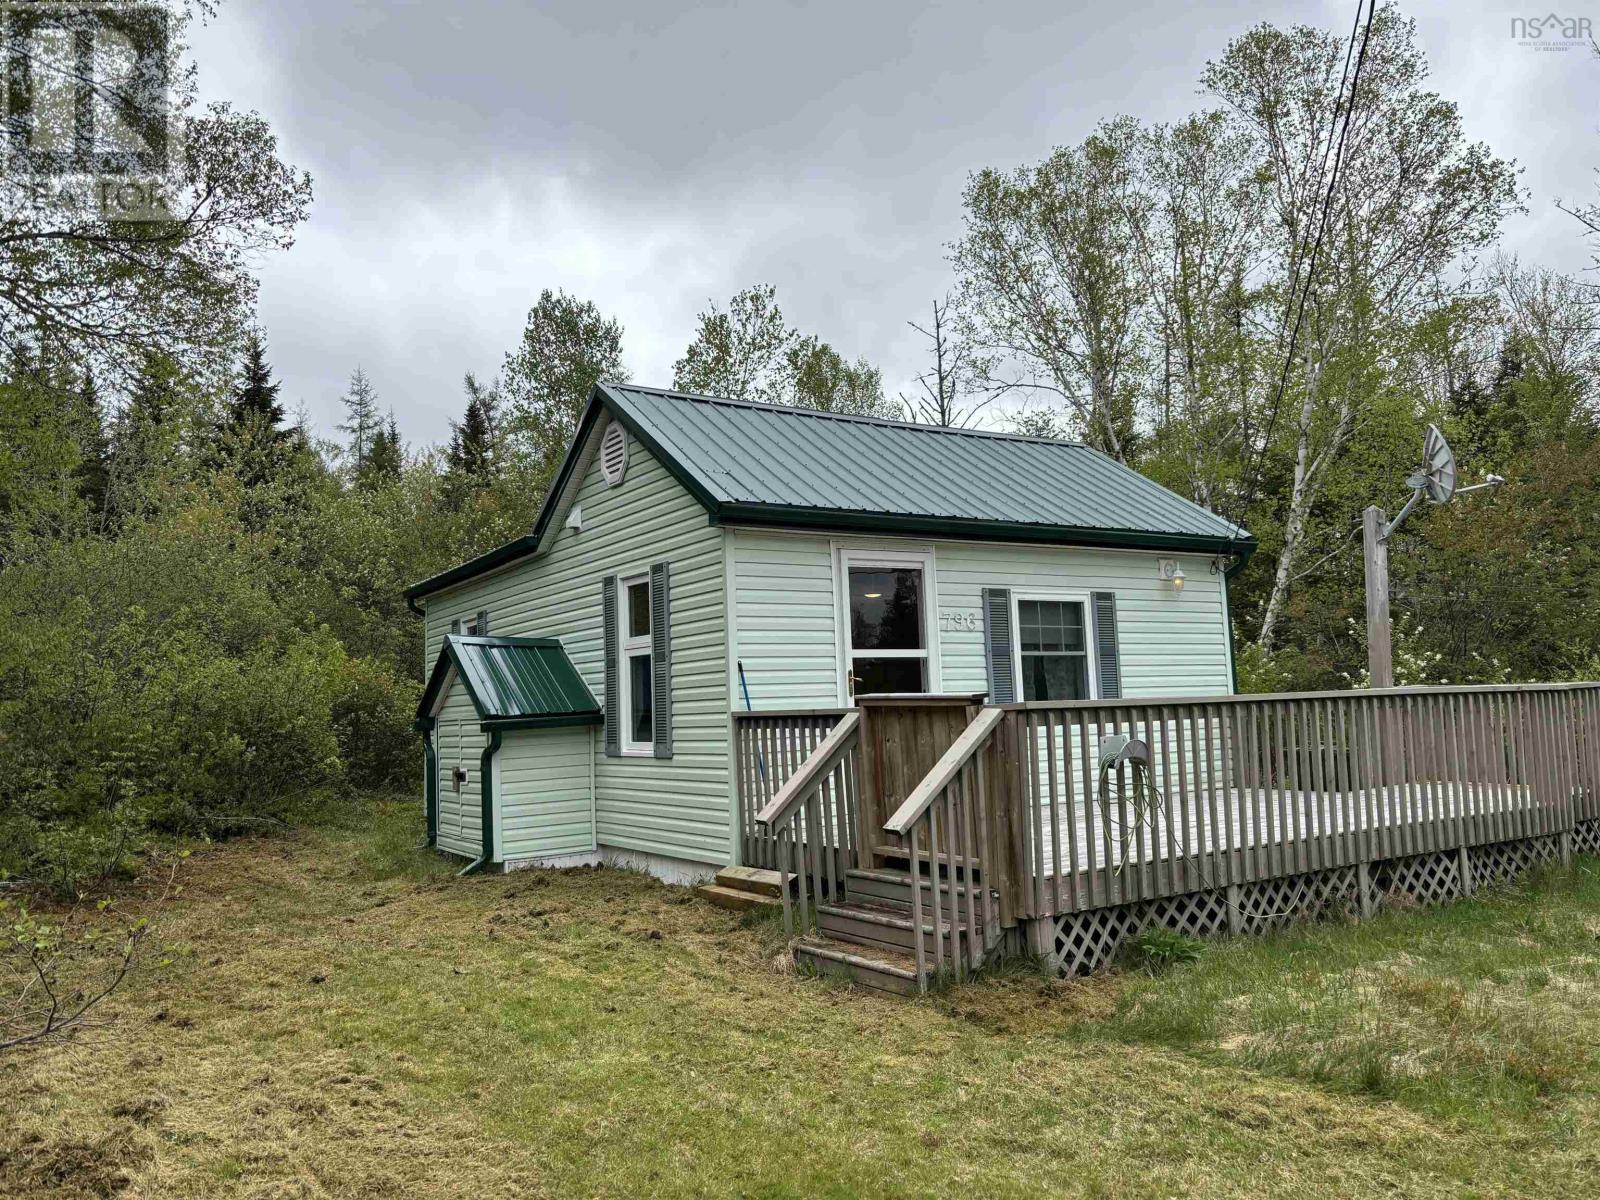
(1227, 792)
(1270, 834)
(1266, 820)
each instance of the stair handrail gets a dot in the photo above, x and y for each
(972, 739)
(811, 773)
(959, 780)
(823, 836)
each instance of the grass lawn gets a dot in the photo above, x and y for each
(343, 1018)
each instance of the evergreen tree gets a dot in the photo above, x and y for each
(252, 440)
(361, 422)
(471, 459)
(155, 393)
(255, 407)
(385, 457)
(145, 435)
(39, 454)
(93, 473)
(471, 453)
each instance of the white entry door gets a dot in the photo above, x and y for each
(890, 644)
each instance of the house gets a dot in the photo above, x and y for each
(701, 556)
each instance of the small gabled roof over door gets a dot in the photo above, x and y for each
(514, 682)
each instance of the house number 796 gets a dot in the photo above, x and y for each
(960, 622)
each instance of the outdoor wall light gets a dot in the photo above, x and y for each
(1172, 571)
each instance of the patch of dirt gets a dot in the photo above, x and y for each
(1027, 1003)
(71, 1169)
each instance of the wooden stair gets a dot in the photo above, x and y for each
(873, 968)
(868, 937)
(742, 889)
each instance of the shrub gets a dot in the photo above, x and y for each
(177, 689)
(372, 713)
(1156, 948)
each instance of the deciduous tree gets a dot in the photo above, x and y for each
(106, 291)
(749, 352)
(568, 345)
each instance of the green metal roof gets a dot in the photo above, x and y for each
(772, 464)
(767, 464)
(513, 682)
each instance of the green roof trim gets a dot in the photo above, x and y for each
(513, 682)
(749, 463)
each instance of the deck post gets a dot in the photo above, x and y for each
(1364, 886)
(1380, 657)
(1235, 917)
(1464, 870)
(1565, 842)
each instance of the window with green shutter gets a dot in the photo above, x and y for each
(1053, 645)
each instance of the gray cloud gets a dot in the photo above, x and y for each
(652, 157)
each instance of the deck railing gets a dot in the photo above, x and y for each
(768, 747)
(1244, 788)
(1000, 812)
(948, 825)
(812, 819)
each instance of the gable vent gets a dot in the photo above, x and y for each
(614, 453)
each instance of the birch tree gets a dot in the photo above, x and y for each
(949, 392)
(568, 345)
(1413, 197)
(1198, 255)
(1048, 289)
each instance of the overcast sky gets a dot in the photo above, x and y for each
(653, 157)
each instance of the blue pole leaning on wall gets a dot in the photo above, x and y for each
(744, 686)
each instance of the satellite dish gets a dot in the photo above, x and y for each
(1438, 475)
(1436, 480)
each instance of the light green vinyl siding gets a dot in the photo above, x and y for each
(789, 626)
(459, 742)
(1171, 643)
(677, 806)
(788, 638)
(543, 780)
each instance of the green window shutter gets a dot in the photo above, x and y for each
(1107, 664)
(997, 645)
(661, 657)
(483, 622)
(455, 626)
(608, 616)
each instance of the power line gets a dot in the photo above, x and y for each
(1316, 248)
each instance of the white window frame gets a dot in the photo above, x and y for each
(1062, 595)
(629, 648)
(846, 557)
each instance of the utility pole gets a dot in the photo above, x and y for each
(1380, 647)
(1436, 482)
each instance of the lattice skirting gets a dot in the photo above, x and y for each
(1081, 942)
(1421, 878)
(1506, 860)
(1274, 903)
(1077, 943)
(1586, 838)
